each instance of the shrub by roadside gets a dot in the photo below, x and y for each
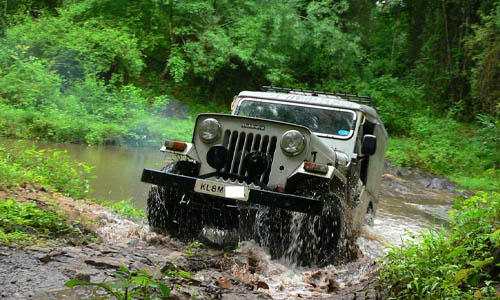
(51, 169)
(25, 223)
(462, 262)
(464, 153)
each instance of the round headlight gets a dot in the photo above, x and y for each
(210, 130)
(293, 142)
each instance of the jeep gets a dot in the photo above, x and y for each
(297, 171)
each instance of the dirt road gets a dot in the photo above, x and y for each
(39, 272)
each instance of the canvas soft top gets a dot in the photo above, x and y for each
(328, 101)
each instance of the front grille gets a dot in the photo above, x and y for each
(242, 143)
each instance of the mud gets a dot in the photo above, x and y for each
(39, 272)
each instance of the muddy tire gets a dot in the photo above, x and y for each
(308, 240)
(168, 209)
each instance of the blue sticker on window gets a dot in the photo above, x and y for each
(343, 132)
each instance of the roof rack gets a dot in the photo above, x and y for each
(367, 100)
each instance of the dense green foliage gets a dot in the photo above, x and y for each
(457, 263)
(49, 168)
(447, 147)
(113, 71)
(103, 71)
(25, 223)
(137, 72)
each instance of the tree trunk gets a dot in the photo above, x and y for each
(448, 51)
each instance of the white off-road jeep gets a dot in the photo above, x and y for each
(297, 171)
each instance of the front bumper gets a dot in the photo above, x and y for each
(255, 196)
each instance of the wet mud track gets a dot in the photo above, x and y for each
(410, 201)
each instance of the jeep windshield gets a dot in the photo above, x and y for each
(324, 121)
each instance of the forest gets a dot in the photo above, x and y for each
(137, 72)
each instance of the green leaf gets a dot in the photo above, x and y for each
(124, 270)
(185, 274)
(120, 276)
(120, 285)
(457, 251)
(164, 289)
(76, 282)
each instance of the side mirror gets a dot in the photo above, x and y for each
(369, 144)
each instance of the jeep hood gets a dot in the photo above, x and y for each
(256, 125)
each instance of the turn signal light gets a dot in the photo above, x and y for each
(176, 146)
(315, 168)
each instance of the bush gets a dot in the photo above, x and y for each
(456, 263)
(24, 223)
(444, 146)
(49, 168)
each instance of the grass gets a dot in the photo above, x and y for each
(124, 208)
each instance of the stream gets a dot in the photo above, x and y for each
(410, 201)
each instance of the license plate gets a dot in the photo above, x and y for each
(236, 192)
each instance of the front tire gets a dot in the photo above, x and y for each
(168, 208)
(308, 240)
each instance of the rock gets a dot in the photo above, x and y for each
(38, 249)
(225, 283)
(137, 266)
(195, 264)
(401, 172)
(245, 296)
(441, 184)
(333, 286)
(78, 274)
(110, 251)
(424, 182)
(45, 258)
(262, 285)
(176, 295)
(175, 263)
(106, 262)
(252, 262)
(133, 242)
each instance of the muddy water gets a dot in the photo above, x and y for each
(404, 204)
(407, 204)
(117, 169)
